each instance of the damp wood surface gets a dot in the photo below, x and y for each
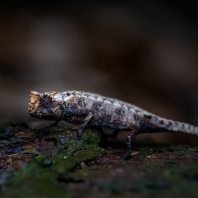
(53, 162)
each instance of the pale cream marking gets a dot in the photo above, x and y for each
(78, 93)
(175, 128)
(35, 93)
(51, 93)
(111, 100)
(68, 97)
(91, 97)
(99, 98)
(125, 107)
(186, 126)
(85, 95)
(107, 101)
(115, 103)
(88, 103)
(58, 97)
(133, 111)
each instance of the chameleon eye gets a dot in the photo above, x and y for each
(46, 101)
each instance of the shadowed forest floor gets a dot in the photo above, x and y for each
(53, 162)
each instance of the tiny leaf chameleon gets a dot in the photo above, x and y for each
(89, 109)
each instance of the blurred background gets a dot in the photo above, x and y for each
(142, 52)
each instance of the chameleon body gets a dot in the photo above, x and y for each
(88, 109)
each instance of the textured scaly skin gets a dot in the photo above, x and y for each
(90, 109)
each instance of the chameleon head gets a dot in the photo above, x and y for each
(43, 106)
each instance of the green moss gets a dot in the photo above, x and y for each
(40, 176)
(88, 141)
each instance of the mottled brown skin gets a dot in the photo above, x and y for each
(90, 109)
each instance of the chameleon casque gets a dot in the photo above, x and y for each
(89, 109)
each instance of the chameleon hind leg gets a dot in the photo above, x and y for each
(131, 135)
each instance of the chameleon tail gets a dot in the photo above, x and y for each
(157, 124)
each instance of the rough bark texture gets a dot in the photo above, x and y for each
(53, 162)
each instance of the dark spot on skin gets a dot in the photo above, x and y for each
(71, 111)
(81, 102)
(46, 101)
(96, 121)
(72, 93)
(120, 112)
(103, 120)
(147, 116)
(68, 94)
(107, 118)
(95, 96)
(107, 121)
(146, 126)
(104, 98)
(155, 118)
(169, 123)
(111, 100)
(128, 108)
(136, 117)
(97, 106)
(176, 123)
(161, 121)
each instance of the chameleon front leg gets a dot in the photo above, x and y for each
(81, 127)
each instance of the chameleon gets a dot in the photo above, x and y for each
(89, 109)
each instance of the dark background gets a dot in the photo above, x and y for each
(143, 52)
